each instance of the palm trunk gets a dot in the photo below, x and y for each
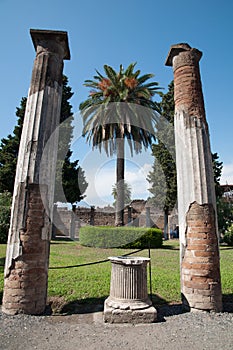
(120, 174)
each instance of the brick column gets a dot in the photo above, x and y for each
(200, 271)
(26, 267)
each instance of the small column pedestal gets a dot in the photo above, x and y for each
(128, 301)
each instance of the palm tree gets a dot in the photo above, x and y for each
(119, 108)
(127, 193)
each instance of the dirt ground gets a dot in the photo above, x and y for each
(86, 330)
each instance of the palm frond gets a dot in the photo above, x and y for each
(129, 69)
(121, 70)
(145, 93)
(144, 78)
(136, 74)
(91, 84)
(100, 76)
(120, 105)
(153, 84)
(111, 74)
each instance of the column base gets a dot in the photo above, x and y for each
(112, 315)
(128, 304)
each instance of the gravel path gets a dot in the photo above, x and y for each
(87, 331)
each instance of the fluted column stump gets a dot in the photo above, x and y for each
(27, 257)
(199, 250)
(128, 301)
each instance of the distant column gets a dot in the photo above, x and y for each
(129, 214)
(148, 221)
(27, 258)
(72, 222)
(92, 216)
(200, 271)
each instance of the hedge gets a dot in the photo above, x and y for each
(5, 213)
(116, 237)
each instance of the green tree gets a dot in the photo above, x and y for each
(162, 178)
(9, 149)
(68, 172)
(225, 214)
(73, 181)
(127, 193)
(217, 168)
(5, 212)
(111, 115)
(224, 207)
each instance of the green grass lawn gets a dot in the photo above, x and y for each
(74, 275)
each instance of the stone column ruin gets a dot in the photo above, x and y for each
(200, 268)
(128, 301)
(27, 257)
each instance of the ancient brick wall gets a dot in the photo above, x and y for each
(25, 289)
(106, 217)
(200, 266)
(61, 221)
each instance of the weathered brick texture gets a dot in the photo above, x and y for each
(25, 289)
(200, 271)
(188, 78)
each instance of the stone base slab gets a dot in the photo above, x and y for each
(112, 315)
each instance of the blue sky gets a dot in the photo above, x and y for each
(114, 32)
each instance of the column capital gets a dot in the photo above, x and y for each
(51, 41)
(182, 55)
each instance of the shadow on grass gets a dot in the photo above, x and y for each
(57, 305)
(223, 247)
(227, 300)
(2, 263)
(164, 309)
(170, 247)
(92, 305)
(61, 239)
